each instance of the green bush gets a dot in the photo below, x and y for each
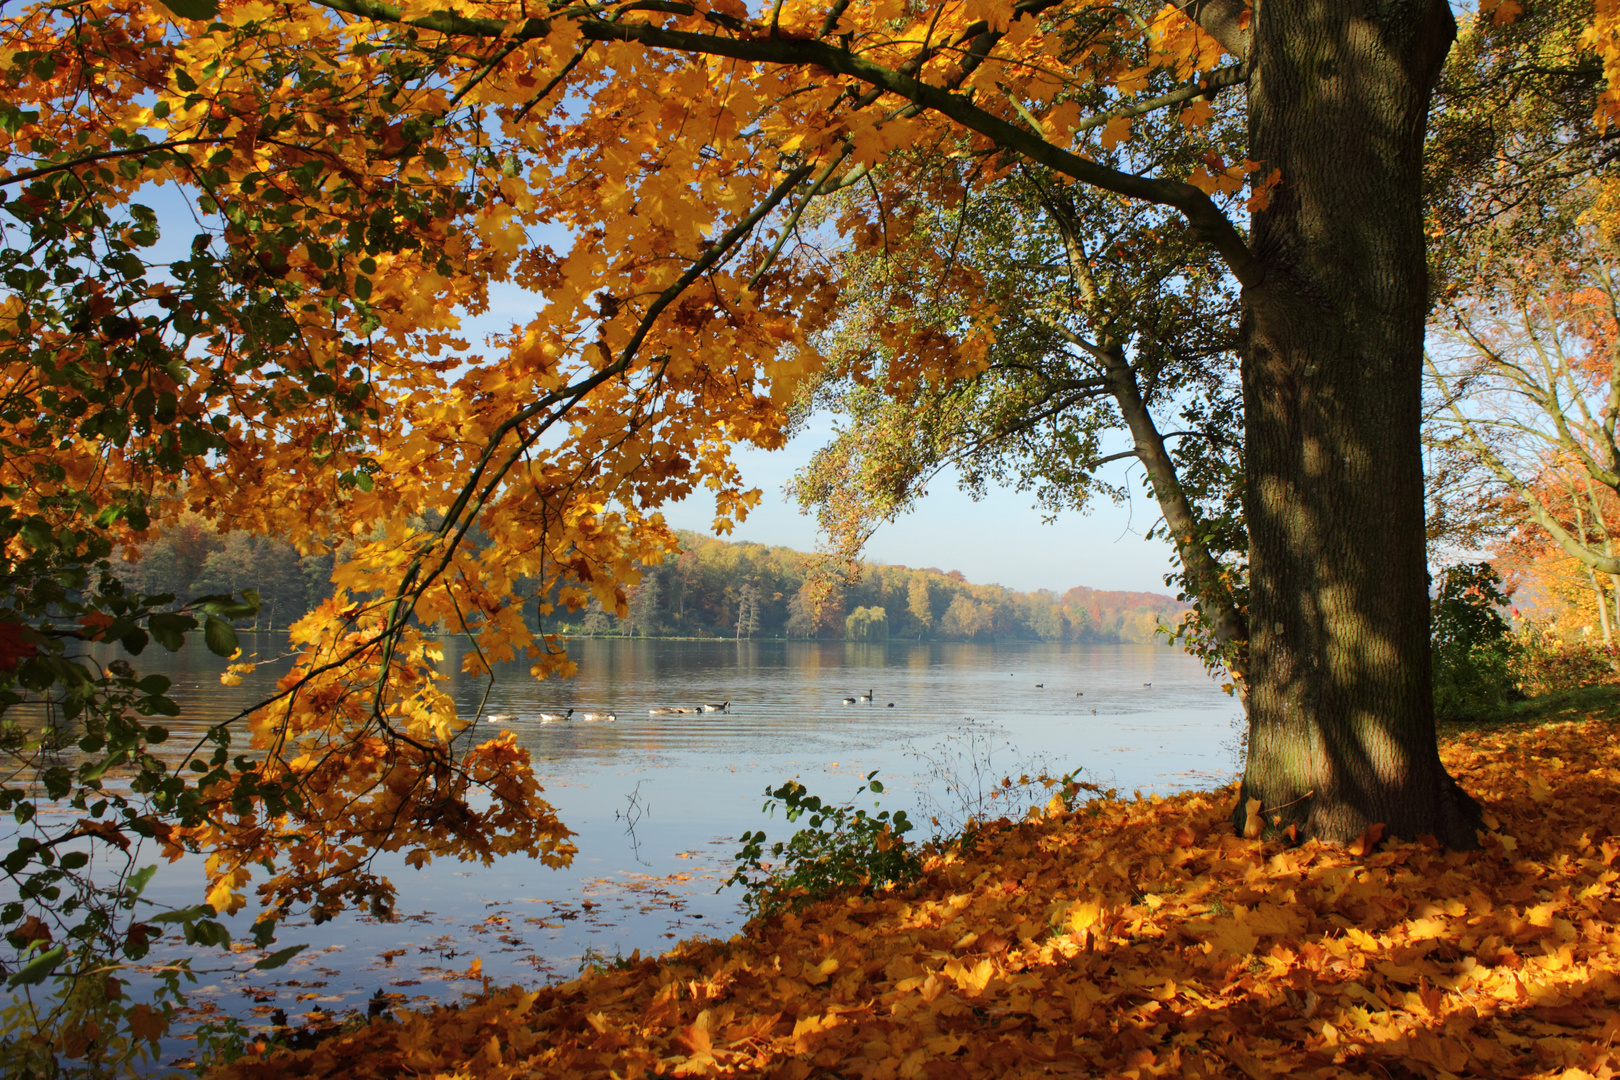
(1474, 649)
(839, 848)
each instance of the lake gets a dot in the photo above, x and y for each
(658, 801)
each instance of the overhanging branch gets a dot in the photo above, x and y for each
(1207, 220)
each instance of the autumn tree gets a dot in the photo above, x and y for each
(1530, 379)
(361, 175)
(1109, 317)
(919, 606)
(867, 624)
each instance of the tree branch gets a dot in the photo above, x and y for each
(1207, 220)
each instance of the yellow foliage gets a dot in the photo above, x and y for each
(1097, 942)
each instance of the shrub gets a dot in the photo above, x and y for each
(1473, 646)
(839, 848)
(1545, 664)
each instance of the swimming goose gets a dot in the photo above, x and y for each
(599, 717)
(659, 712)
(502, 717)
(849, 701)
(722, 707)
(553, 718)
(866, 696)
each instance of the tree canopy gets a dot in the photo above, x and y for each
(287, 353)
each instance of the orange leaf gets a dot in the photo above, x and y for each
(1368, 840)
(1115, 132)
(147, 1023)
(1252, 821)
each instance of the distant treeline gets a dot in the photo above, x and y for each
(194, 559)
(715, 588)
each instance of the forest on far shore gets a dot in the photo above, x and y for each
(711, 588)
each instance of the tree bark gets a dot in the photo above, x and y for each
(1341, 711)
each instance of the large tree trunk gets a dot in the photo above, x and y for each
(1341, 713)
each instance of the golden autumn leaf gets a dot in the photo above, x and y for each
(1367, 841)
(1375, 956)
(1253, 823)
(1115, 132)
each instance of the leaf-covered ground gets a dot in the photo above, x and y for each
(1131, 939)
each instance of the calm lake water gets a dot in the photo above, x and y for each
(658, 801)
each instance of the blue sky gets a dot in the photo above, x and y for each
(1000, 540)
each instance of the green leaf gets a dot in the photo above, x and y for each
(208, 933)
(220, 636)
(134, 642)
(138, 880)
(279, 957)
(37, 534)
(169, 628)
(183, 915)
(38, 969)
(192, 9)
(227, 606)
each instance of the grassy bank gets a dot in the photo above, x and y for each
(1129, 938)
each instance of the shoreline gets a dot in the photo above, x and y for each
(1130, 938)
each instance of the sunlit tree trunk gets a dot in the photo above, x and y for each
(1341, 712)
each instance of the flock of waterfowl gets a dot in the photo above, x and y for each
(557, 718)
(679, 710)
(676, 710)
(866, 697)
(606, 717)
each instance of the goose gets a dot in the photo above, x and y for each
(502, 717)
(722, 707)
(599, 717)
(890, 705)
(1147, 684)
(1079, 693)
(849, 701)
(866, 696)
(1040, 686)
(553, 718)
(659, 712)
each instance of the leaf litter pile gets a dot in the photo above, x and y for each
(1122, 938)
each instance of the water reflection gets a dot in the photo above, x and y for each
(1135, 717)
